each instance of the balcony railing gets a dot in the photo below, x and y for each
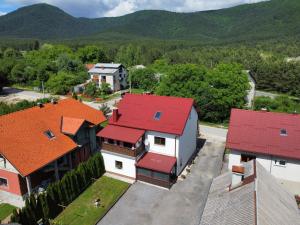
(123, 150)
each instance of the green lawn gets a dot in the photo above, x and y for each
(5, 210)
(82, 210)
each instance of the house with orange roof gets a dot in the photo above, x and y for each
(39, 145)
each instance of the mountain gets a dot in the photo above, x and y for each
(274, 19)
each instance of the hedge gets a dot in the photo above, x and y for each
(58, 195)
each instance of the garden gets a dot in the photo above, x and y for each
(93, 203)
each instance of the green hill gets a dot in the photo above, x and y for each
(274, 19)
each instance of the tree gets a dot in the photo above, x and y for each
(105, 89)
(105, 110)
(215, 91)
(91, 54)
(145, 79)
(91, 89)
(63, 82)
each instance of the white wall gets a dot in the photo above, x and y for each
(115, 86)
(167, 149)
(8, 166)
(128, 164)
(291, 171)
(185, 145)
(188, 141)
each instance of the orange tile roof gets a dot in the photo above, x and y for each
(71, 125)
(22, 139)
(89, 66)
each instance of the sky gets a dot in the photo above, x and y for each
(112, 8)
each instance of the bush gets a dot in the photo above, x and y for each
(61, 193)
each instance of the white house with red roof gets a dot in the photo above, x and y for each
(272, 138)
(150, 138)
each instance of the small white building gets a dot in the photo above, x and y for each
(273, 139)
(113, 74)
(150, 138)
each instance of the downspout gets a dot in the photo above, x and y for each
(271, 164)
(176, 154)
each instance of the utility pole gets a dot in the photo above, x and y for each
(43, 88)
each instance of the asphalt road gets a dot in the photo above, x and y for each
(183, 204)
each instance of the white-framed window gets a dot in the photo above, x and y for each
(3, 182)
(119, 165)
(279, 162)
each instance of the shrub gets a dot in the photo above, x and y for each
(48, 205)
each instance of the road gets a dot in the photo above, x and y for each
(213, 133)
(12, 95)
(266, 94)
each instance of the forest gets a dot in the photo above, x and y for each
(213, 75)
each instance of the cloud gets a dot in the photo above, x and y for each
(2, 13)
(101, 8)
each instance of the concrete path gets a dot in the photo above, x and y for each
(265, 94)
(213, 133)
(182, 205)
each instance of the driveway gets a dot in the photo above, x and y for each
(182, 205)
(213, 133)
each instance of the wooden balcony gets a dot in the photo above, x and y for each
(123, 150)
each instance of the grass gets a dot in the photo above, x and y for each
(104, 124)
(137, 91)
(82, 210)
(5, 210)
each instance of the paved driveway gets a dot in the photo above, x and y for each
(144, 204)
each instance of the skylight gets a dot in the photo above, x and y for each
(283, 132)
(49, 134)
(157, 115)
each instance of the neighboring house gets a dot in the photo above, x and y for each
(273, 139)
(40, 144)
(110, 73)
(249, 195)
(150, 138)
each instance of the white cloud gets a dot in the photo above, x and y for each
(2, 13)
(100, 8)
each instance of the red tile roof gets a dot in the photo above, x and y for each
(71, 125)
(89, 66)
(121, 133)
(157, 162)
(260, 132)
(22, 139)
(138, 111)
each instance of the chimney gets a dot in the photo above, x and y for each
(238, 173)
(115, 115)
(53, 101)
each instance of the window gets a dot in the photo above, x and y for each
(283, 132)
(159, 141)
(157, 115)
(49, 134)
(127, 145)
(103, 79)
(280, 162)
(3, 182)
(119, 165)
